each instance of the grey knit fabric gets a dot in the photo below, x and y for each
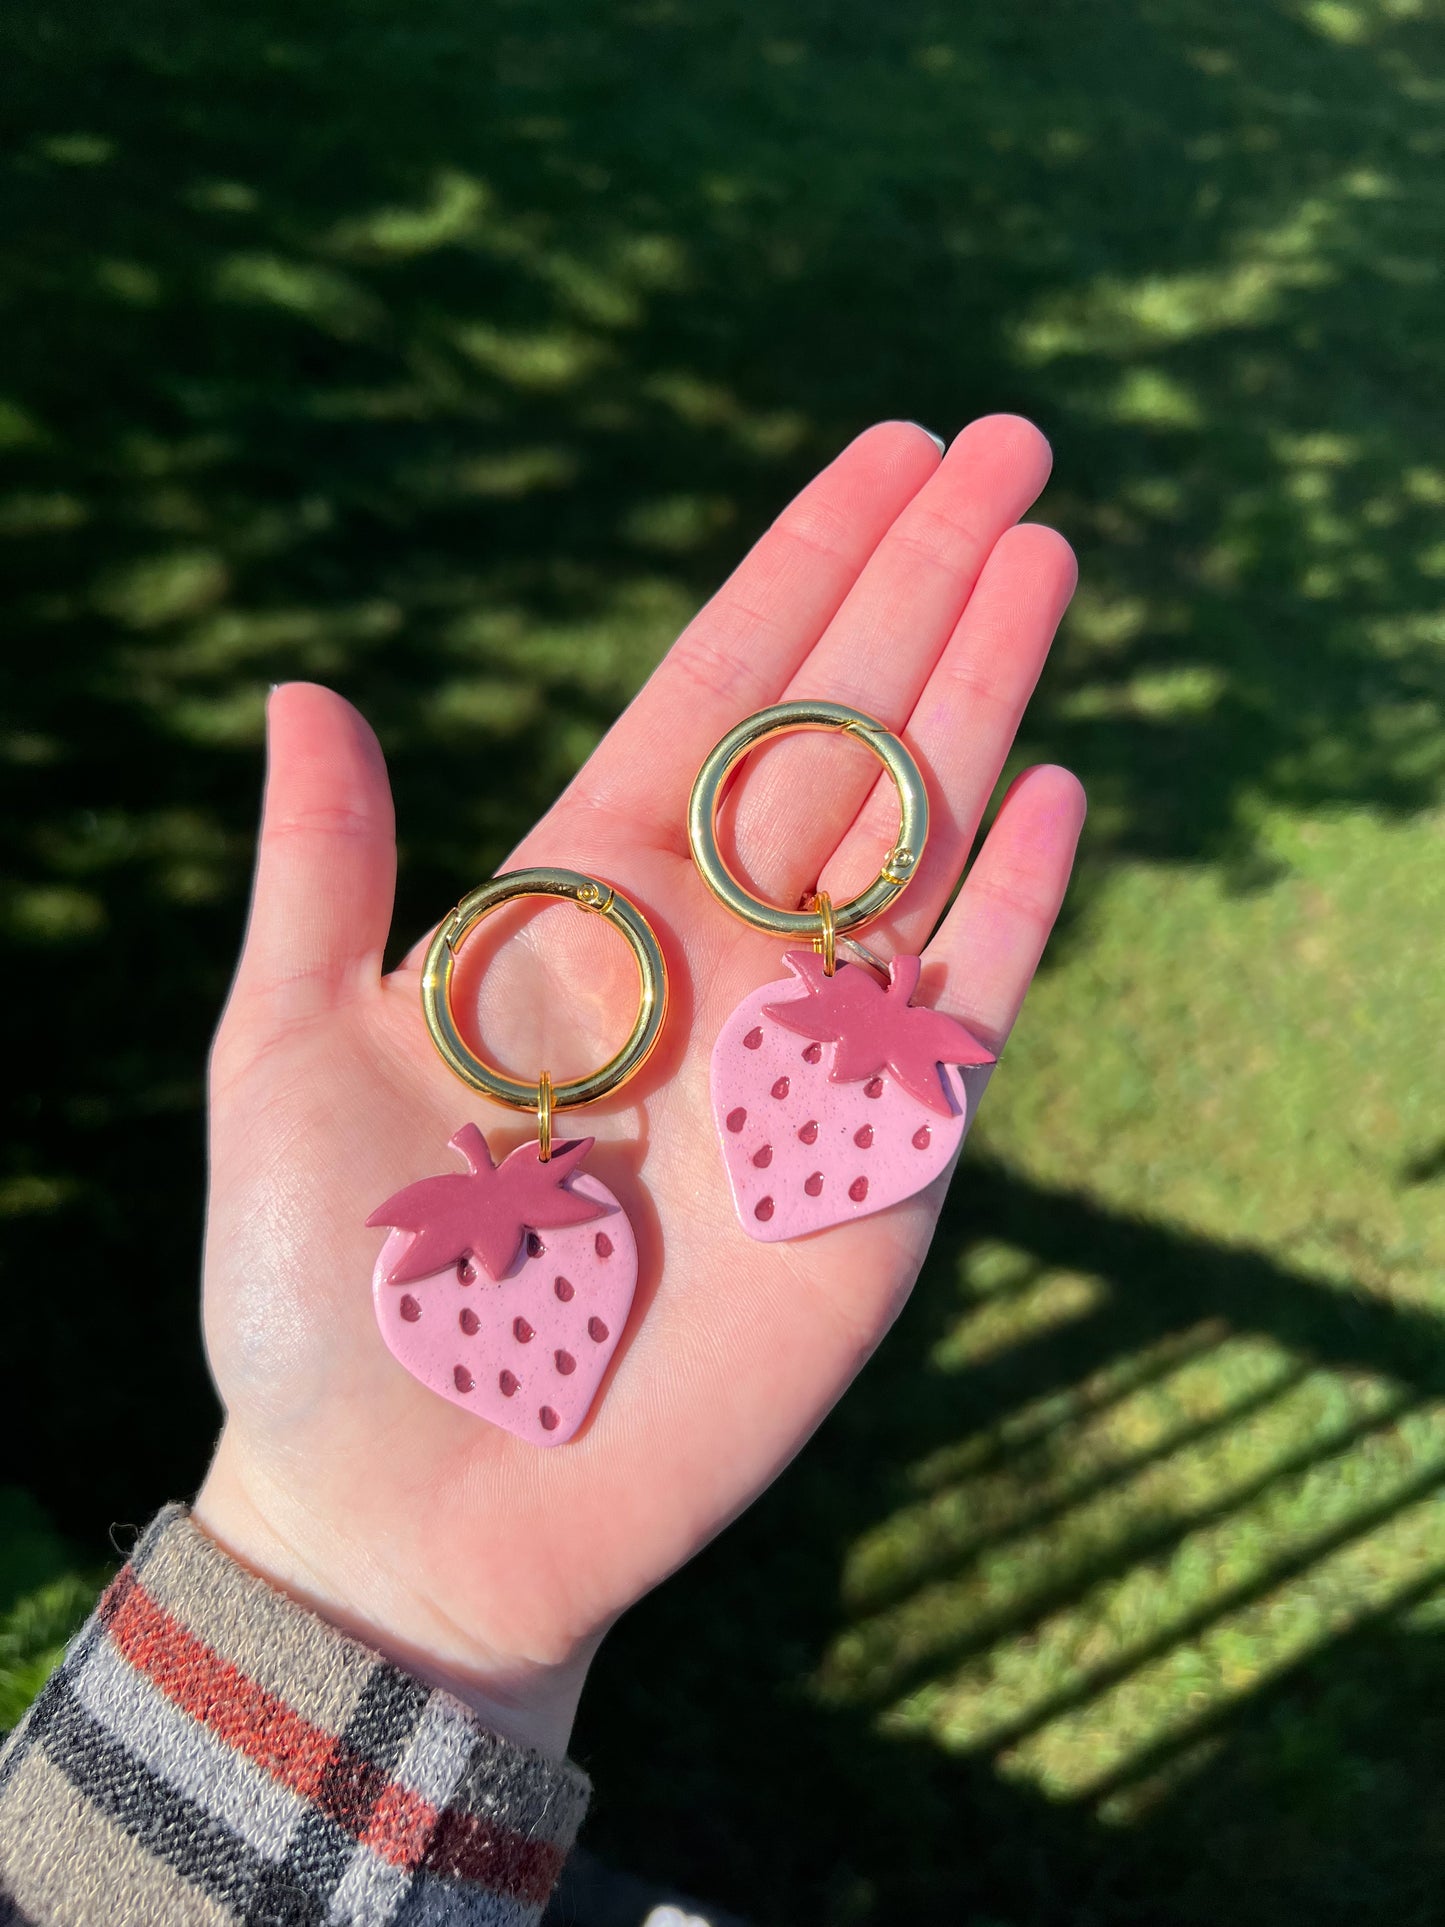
(211, 1752)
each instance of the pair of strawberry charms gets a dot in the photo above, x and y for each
(506, 1288)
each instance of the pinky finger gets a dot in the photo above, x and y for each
(991, 941)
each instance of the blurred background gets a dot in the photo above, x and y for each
(450, 351)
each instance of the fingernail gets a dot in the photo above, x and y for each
(937, 440)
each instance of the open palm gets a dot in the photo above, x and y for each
(895, 583)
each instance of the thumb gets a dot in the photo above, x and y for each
(326, 863)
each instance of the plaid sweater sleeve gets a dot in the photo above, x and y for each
(211, 1752)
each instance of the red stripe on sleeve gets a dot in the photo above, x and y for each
(395, 1823)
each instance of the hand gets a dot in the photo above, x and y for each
(896, 583)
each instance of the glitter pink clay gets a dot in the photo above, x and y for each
(529, 1349)
(806, 1150)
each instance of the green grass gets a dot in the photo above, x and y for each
(43, 1599)
(451, 353)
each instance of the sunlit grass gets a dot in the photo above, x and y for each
(1072, 1604)
(1275, 1079)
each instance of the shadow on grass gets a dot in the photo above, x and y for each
(726, 1761)
(451, 354)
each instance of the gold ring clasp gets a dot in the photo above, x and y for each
(544, 1097)
(827, 938)
(900, 866)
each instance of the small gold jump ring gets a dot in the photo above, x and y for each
(588, 894)
(544, 1116)
(827, 937)
(899, 867)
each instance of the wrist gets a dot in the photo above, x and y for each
(317, 1564)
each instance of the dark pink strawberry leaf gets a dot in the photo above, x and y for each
(876, 1028)
(488, 1212)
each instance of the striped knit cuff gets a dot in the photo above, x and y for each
(210, 1751)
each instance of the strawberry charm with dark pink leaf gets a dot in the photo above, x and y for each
(505, 1288)
(836, 1096)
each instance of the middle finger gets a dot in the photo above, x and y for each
(802, 792)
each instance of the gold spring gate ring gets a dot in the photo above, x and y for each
(899, 866)
(597, 899)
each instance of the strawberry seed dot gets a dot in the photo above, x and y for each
(470, 1323)
(812, 1053)
(753, 1038)
(535, 1247)
(764, 1157)
(507, 1383)
(814, 1184)
(602, 1245)
(597, 1331)
(863, 1136)
(763, 1210)
(466, 1271)
(521, 1330)
(858, 1190)
(874, 1087)
(409, 1308)
(809, 1132)
(549, 1419)
(563, 1288)
(463, 1379)
(922, 1138)
(782, 1087)
(565, 1362)
(737, 1119)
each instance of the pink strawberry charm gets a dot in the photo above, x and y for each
(506, 1288)
(836, 1096)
